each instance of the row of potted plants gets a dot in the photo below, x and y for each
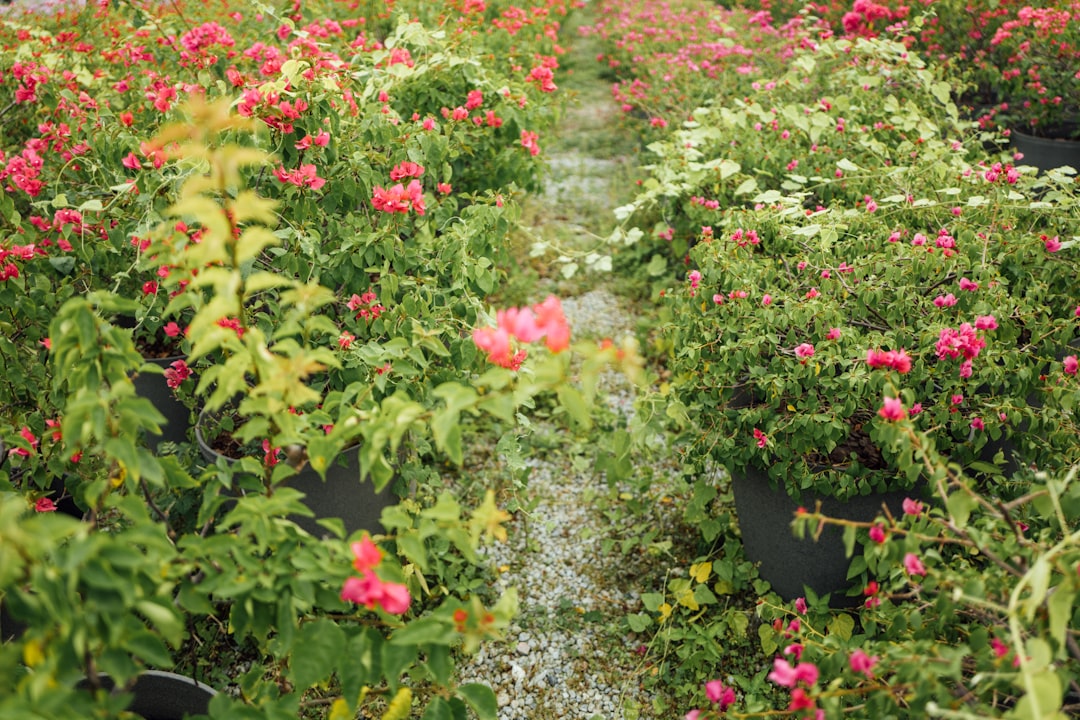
(299, 211)
(874, 294)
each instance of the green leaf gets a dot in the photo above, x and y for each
(439, 663)
(960, 505)
(481, 699)
(426, 630)
(395, 658)
(574, 403)
(657, 266)
(319, 645)
(849, 540)
(1060, 606)
(438, 709)
(842, 625)
(652, 601)
(638, 622)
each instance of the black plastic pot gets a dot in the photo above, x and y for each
(155, 388)
(787, 563)
(1046, 153)
(164, 695)
(343, 495)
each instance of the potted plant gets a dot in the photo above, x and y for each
(799, 335)
(1037, 55)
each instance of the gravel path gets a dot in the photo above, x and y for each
(555, 662)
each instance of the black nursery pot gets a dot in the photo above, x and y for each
(161, 695)
(343, 495)
(1046, 153)
(156, 389)
(788, 563)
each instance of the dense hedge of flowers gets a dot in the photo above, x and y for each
(868, 295)
(308, 202)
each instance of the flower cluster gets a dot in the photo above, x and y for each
(526, 325)
(368, 589)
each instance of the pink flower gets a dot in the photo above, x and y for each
(916, 409)
(1070, 365)
(914, 565)
(877, 534)
(345, 339)
(978, 424)
(833, 334)
(800, 700)
(693, 715)
(528, 141)
(800, 605)
(496, 343)
(149, 287)
(171, 329)
(761, 438)
(912, 507)
(785, 675)
(862, 663)
(177, 373)
(766, 300)
(366, 554)
(968, 285)
(44, 505)
(897, 360)
(399, 198)
(131, 161)
(552, 321)
(892, 409)
(719, 694)
(1052, 244)
(303, 176)
(986, 322)
(945, 300)
(406, 169)
(369, 591)
(804, 351)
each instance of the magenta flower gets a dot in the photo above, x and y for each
(369, 591)
(862, 663)
(720, 694)
(833, 334)
(892, 409)
(177, 373)
(761, 438)
(986, 322)
(978, 424)
(785, 675)
(366, 554)
(912, 507)
(897, 360)
(877, 534)
(1070, 365)
(766, 300)
(945, 300)
(800, 605)
(968, 285)
(914, 565)
(44, 505)
(804, 351)
(1052, 243)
